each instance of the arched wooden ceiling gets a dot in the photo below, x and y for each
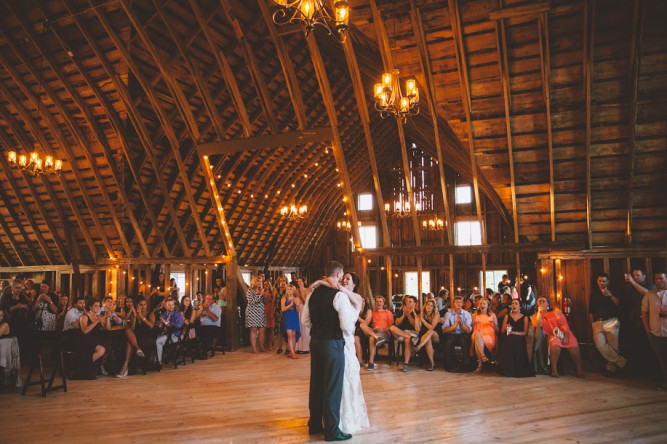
(123, 90)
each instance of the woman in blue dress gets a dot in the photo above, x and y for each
(290, 324)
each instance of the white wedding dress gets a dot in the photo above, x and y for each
(353, 414)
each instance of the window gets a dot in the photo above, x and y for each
(468, 232)
(411, 286)
(365, 202)
(493, 278)
(247, 275)
(368, 235)
(463, 195)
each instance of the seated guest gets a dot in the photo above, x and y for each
(73, 315)
(382, 323)
(484, 327)
(363, 330)
(4, 325)
(139, 335)
(441, 301)
(430, 318)
(171, 323)
(91, 345)
(18, 309)
(291, 328)
(513, 355)
(45, 309)
(503, 307)
(654, 317)
(409, 324)
(209, 316)
(196, 302)
(467, 305)
(128, 310)
(188, 313)
(108, 311)
(63, 308)
(555, 327)
(119, 307)
(30, 292)
(456, 327)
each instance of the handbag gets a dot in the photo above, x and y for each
(558, 333)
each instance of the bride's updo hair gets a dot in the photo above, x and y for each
(355, 280)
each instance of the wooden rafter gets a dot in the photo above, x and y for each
(462, 64)
(257, 143)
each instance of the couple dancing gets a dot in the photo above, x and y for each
(337, 406)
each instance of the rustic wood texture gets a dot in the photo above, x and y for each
(240, 397)
(553, 111)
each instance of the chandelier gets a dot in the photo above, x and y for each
(343, 225)
(34, 164)
(292, 212)
(435, 224)
(390, 101)
(401, 208)
(312, 13)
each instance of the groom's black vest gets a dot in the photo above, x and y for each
(323, 315)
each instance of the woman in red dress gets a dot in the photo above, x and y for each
(555, 326)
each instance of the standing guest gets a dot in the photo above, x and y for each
(430, 318)
(456, 327)
(278, 315)
(654, 316)
(467, 305)
(527, 297)
(18, 309)
(635, 331)
(120, 305)
(484, 328)
(196, 302)
(291, 324)
(409, 324)
(158, 292)
(171, 323)
(71, 321)
(139, 335)
(513, 354)
(269, 314)
(5, 329)
(603, 314)
(5, 291)
(63, 307)
(303, 344)
(559, 336)
(255, 318)
(209, 316)
(29, 292)
(504, 307)
(504, 283)
(45, 309)
(92, 344)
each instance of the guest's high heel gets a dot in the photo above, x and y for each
(122, 374)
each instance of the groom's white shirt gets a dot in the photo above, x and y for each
(347, 315)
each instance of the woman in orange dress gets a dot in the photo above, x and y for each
(555, 326)
(484, 328)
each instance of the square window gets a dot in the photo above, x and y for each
(368, 235)
(468, 232)
(365, 202)
(463, 195)
(412, 286)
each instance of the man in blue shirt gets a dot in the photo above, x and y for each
(172, 323)
(209, 315)
(457, 325)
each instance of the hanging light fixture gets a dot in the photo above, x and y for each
(434, 224)
(34, 163)
(292, 212)
(314, 13)
(401, 207)
(343, 225)
(390, 101)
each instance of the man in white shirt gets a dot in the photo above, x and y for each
(209, 315)
(74, 314)
(654, 316)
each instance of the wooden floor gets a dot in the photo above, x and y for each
(241, 397)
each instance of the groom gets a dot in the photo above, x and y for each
(327, 359)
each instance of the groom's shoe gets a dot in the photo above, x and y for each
(340, 437)
(315, 431)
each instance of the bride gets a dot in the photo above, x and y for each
(353, 414)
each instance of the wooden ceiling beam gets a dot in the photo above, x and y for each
(15, 246)
(184, 111)
(464, 82)
(533, 247)
(635, 69)
(589, 45)
(22, 229)
(74, 128)
(138, 120)
(118, 125)
(385, 52)
(258, 143)
(545, 63)
(37, 132)
(503, 67)
(431, 96)
(528, 10)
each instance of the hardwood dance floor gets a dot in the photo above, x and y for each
(242, 398)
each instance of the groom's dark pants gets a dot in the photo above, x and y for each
(327, 365)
